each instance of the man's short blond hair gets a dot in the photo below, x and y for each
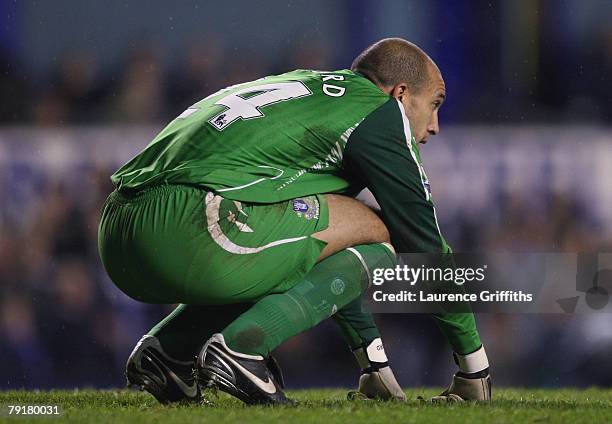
(391, 61)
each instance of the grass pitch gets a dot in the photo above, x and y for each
(327, 406)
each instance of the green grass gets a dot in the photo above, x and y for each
(327, 406)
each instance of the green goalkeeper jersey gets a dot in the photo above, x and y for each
(266, 141)
(292, 135)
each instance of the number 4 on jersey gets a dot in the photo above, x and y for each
(246, 103)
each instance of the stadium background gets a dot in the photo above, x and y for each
(523, 163)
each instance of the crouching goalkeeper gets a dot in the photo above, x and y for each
(241, 210)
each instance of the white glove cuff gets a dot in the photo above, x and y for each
(473, 362)
(376, 351)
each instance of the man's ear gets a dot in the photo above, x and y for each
(399, 90)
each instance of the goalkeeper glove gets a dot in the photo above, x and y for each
(472, 382)
(377, 380)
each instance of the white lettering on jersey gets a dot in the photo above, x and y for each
(331, 89)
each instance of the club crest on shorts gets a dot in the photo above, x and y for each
(306, 207)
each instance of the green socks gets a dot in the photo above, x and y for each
(183, 332)
(331, 285)
(356, 324)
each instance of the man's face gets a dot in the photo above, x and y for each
(422, 107)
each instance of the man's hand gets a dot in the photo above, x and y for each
(463, 388)
(381, 385)
(377, 380)
(471, 382)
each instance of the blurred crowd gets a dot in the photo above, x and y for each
(143, 88)
(148, 87)
(60, 321)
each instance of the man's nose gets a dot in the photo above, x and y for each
(433, 127)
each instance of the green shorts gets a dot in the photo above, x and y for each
(181, 244)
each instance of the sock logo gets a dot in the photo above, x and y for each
(337, 286)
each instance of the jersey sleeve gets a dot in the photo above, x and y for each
(381, 156)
